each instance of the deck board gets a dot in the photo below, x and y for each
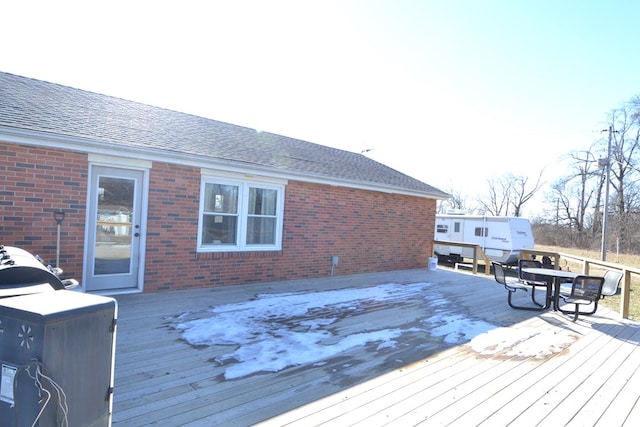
(161, 380)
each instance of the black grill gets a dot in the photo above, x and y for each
(22, 273)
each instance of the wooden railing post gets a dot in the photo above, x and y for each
(477, 253)
(475, 260)
(625, 294)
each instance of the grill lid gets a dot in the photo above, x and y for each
(21, 273)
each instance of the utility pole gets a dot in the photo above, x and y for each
(605, 214)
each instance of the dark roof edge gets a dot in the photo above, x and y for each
(36, 138)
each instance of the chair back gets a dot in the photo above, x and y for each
(612, 280)
(587, 288)
(498, 273)
(528, 263)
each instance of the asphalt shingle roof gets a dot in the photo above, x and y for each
(39, 106)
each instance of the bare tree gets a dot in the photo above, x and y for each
(625, 172)
(576, 191)
(579, 197)
(520, 194)
(508, 191)
(566, 215)
(497, 203)
(455, 201)
(624, 159)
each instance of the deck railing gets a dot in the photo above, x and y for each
(477, 254)
(586, 265)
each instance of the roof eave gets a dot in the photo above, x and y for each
(36, 138)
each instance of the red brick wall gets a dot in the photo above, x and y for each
(368, 231)
(35, 182)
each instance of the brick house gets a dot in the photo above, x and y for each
(156, 200)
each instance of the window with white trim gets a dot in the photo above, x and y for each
(240, 216)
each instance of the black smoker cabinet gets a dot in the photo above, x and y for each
(57, 354)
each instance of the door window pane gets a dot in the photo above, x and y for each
(113, 226)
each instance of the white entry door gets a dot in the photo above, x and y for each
(114, 229)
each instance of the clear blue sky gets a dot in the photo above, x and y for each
(450, 92)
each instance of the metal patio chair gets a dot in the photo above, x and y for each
(610, 287)
(585, 290)
(514, 285)
(533, 280)
(612, 281)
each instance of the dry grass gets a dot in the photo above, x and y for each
(625, 259)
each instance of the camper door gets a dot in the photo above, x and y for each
(456, 231)
(456, 234)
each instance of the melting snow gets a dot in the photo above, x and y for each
(520, 342)
(275, 331)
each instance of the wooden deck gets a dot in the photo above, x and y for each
(590, 376)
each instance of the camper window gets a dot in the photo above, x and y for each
(442, 228)
(456, 227)
(482, 231)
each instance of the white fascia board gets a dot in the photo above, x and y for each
(111, 161)
(242, 175)
(63, 142)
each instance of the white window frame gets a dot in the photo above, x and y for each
(243, 185)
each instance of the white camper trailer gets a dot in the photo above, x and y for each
(500, 237)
